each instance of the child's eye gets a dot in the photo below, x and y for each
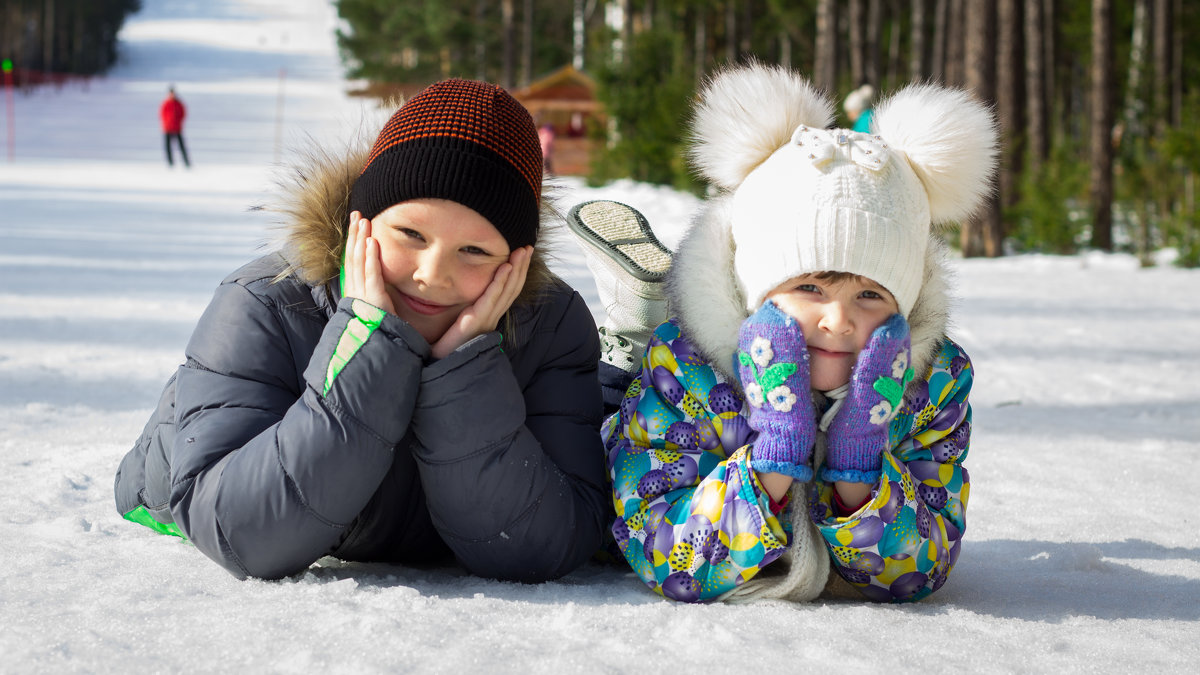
(474, 250)
(808, 288)
(410, 233)
(872, 295)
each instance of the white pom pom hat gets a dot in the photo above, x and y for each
(809, 199)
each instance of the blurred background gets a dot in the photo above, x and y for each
(1092, 95)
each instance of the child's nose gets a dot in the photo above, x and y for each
(836, 319)
(431, 268)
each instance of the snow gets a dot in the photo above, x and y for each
(1082, 551)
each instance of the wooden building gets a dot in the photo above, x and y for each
(566, 101)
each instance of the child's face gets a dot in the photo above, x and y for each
(438, 257)
(837, 318)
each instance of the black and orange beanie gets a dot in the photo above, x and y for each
(468, 142)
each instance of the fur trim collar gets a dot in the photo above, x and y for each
(704, 295)
(313, 198)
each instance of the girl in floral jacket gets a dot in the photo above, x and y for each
(803, 406)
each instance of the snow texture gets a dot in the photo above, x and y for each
(1082, 551)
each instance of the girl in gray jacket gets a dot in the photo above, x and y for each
(404, 382)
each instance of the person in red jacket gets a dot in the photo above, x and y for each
(172, 112)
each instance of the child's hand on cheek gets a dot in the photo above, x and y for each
(484, 315)
(363, 270)
(858, 435)
(773, 367)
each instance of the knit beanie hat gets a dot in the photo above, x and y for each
(806, 199)
(468, 142)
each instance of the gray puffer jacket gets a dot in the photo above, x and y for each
(304, 425)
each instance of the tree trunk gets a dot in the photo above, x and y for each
(746, 34)
(855, 21)
(1134, 98)
(980, 56)
(1162, 65)
(1102, 115)
(481, 56)
(508, 72)
(33, 52)
(48, 40)
(919, 52)
(1010, 97)
(578, 35)
(825, 62)
(730, 32)
(1176, 116)
(895, 67)
(626, 29)
(527, 43)
(1049, 58)
(955, 36)
(1161, 107)
(701, 43)
(1036, 117)
(937, 54)
(983, 234)
(872, 71)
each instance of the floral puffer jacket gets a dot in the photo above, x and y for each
(694, 522)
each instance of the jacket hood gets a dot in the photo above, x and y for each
(312, 198)
(704, 295)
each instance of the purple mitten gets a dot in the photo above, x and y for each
(858, 434)
(773, 367)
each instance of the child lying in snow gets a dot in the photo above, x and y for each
(810, 309)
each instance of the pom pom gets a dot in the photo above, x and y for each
(950, 141)
(747, 113)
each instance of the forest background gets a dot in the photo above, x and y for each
(1095, 98)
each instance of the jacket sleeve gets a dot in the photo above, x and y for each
(269, 468)
(903, 542)
(692, 518)
(514, 474)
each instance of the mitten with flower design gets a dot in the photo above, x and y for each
(858, 434)
(773, 367)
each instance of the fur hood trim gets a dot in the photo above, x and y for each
(704, 295)
(313, 201)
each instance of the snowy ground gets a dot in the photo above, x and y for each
(1082, 553)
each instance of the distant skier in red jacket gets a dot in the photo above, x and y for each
(172, 112)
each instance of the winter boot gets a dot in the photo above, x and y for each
(629, 265)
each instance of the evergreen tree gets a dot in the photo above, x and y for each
(62, 36)
(1043, 52)
(646, 98)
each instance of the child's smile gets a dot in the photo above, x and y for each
(420, 306)
(438, 257)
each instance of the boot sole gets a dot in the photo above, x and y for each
(622, 233)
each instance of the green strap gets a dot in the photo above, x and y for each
(142, 517)
(365, 321)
